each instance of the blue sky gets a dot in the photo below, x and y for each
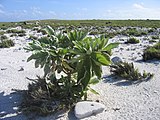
(19, 10)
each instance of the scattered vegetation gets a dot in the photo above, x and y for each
(151, 53)
(76, 58)
(16, 31)
(132, 40)
(129, 72)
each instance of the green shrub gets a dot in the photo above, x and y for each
(132, 41)
(129, 72)
(74, 54)
(152, 52)
(6, 43)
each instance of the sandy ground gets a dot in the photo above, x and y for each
(123, 100)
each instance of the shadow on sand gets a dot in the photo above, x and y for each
(9, 105)
(119, 81)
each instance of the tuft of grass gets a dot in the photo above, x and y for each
(155, 37)
(151, 53)
(132, 40)
(129, 72)
(6, 43)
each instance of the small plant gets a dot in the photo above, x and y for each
(3, 37)
(21, 34)
(129, 72)
(2, 32)
(74, 54)
(155, 37)
(6, 43)
(151, 53)
(132, 41)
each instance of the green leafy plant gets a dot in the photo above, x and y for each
(132, 41)
(76, 58)
(152, 52)
(129, 72)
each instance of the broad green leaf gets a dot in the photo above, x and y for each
(49, 30)
(102, 58)
(110, 46)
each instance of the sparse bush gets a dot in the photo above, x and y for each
(129, 72)
(76, 55)
(6, 43)
(3, 37)
(152, 52)
(132, 41)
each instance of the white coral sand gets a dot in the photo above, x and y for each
(123, 100)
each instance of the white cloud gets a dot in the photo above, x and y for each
(52, 13)
(138, 6)
(36, 11)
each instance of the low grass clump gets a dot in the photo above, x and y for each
(155, 37)
(6, 43)
(2, 32)
(132, 40)
(16, 31)
(3, 37)
(129, 72)
(151, 53)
